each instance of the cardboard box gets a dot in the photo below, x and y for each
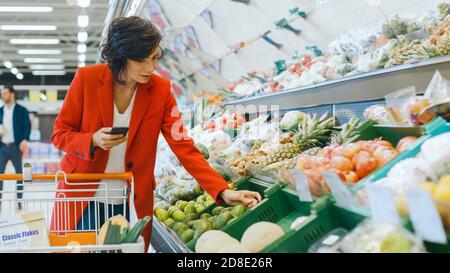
(24, 230)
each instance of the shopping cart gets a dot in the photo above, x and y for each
(41, 195)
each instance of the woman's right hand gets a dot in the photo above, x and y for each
(106, 141)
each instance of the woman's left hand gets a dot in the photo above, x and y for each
(248, 198)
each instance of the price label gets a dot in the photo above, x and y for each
(382, 204)
(301, 185)
(342, 194)
(425, 217)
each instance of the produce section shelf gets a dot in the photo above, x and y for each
(163, 241)
(365, 86)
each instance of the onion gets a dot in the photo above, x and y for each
(386, 156)
(365, 164)
(359, 154)
(327, 151)
(322, 161)
(302, 161)
(350, 150)
(342, 163)
(338, 151)
(383, 143)
(309, 162)
(351, 177)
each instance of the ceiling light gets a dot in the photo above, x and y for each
(46, 66)
(19, 76)
(82, 36)
(39, 51)
(26, 9)
(34, 41)
(14, 70)
(43, 96)
(82, 57)
(8, 64)
(49, 72)
(84, 3)
(83, 21)
(27, 27)
(42, 60)
(81, 48)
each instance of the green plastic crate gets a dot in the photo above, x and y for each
(247, 184)
(325, 219)
(393, 134)
(282, 207)
(381, 173)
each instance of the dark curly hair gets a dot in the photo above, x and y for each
(10, 89)
(129, 38)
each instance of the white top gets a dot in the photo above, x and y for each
(8, 128)
(116, 161)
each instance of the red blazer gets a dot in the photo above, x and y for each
(88, 106)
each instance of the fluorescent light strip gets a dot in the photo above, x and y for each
(34, 41)
(83, 20)
(46, 66)
(81, 48)
(82, 36)
(39, 51)
(43, 60)
(49, 73)
(25, 9)
(84, 3)
(8, 64)
(27, 27)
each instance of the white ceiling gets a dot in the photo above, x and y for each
(65, 17)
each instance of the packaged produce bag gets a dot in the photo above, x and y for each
(24, 230)
(439, 89)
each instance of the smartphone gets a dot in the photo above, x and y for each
(119, 131)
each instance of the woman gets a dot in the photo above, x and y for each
(125, 93)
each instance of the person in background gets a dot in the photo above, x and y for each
(15, 133)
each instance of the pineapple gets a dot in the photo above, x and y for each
(348, 131)
(443, 45)
(286, 151)
(312, 152)
(312, 132)
(444, 9)
(286, 138)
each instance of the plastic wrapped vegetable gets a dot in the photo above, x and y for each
(435, 151)
(376, 237)
(238, 148)
(380, 114)
(399, 26)
(291, 120)
(345, 68)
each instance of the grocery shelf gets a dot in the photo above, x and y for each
(365, 86)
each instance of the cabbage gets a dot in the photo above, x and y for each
(291, 120)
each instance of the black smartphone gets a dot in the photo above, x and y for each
(119, 131)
